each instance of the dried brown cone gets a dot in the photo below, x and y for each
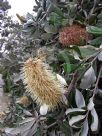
(73, 35)
(21, 18)
(41, 83)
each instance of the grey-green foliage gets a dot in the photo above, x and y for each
(79, 65)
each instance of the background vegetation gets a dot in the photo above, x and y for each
(77, 58)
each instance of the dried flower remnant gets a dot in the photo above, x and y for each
(44, 109)
(2, 114)
(41, 83)
(24, 100)
(73, 35)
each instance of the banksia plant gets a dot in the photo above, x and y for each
(41, 84)
(24, 101)
(73, 35)
(2, 114)
(21, 18)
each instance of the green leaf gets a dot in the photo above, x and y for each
(8, 81)
(64, 22)
(87, 51)
(99, 20)
(77, 49)
(38, 132)
(58, 11)
(46, 36)
(96, 42)
(50, 28)
(94, 30)
(67, 57)
(65, 128)
(100, 16)
(69, 67)
(55, 19)
(99, 23)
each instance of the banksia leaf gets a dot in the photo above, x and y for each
(76, 119)
(73, 35)
(41, 84)
(88, 79)
(61, 80)
(90, 104)
(94, 125)
(80, 102)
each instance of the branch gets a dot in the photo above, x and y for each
(53, 124)
(81, 7)
(73, 82)
(92, 10)
(44, 16)
(96, 85)
(97, 9)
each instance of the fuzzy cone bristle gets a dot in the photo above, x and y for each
(41, 84)
(73, 35)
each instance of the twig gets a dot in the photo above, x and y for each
(53, 124)
(2, 130)
(73, 82)
(42, 18)
(44, 15)
(97, 9)
(95, 89)
(52, 42)
(82, 2)
(81, 7)
(92, 56)
(92, 10)
(96, 85)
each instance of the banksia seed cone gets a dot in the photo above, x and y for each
(21, 18)
(2, 115)
(73, 35)
(41, 83)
